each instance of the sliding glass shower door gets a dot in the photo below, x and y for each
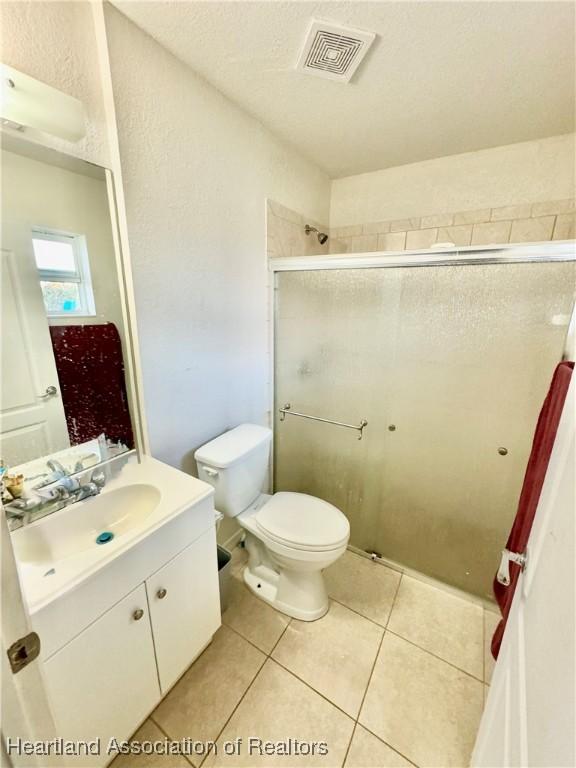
(449, 365)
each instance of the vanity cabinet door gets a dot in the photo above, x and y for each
(103, 683)
(184, 607)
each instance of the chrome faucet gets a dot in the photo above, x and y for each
(62, 489)
(70, 487)
(17, 511)
(93, 487)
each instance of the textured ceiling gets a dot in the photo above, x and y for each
(441, 78)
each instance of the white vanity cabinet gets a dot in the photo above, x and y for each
(104, 682)
(184, 608)
(117, 642)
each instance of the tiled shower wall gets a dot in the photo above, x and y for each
(525, 223)
(285, 235)
(536, 222)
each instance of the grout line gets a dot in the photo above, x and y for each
(379, 648)
(349, 744)
(378, 652)
(236, 632)
(383, 627)
(426, 650)
(151, 717)
(393, 601)
(290, 671)
(250, 642)
(370, 680)
(387, 744)
(304, 682)
(434, 655)
(370, 677)
(215, 739)
(240, 700)
(376, 623)
(268, 654)
(280, 638)
(311, 687)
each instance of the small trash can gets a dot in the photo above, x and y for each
(224, 565)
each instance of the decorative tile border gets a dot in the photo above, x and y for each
(523, 223)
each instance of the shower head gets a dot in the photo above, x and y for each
(322, 236)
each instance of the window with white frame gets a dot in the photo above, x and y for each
(64, 272)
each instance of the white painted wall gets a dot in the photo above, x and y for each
(197, 171)
(55, 42)
(38, 194)
(529, 172)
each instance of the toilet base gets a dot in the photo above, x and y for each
(301, 595)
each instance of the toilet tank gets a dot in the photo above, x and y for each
(236, 464)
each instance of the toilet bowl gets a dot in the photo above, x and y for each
(290, 537)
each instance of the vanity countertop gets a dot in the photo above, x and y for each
(47, 570)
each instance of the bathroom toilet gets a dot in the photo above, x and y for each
(290, 537)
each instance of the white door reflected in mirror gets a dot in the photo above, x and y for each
(63, 393)
(31, 413)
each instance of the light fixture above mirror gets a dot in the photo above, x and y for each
(27, 103)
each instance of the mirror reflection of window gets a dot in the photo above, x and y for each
(63, 388)
(64, 271)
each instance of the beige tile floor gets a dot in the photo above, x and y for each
(394, 675)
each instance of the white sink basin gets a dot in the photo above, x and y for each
(142, 497)
(76, 528)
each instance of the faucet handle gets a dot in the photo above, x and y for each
(98, 478)
(55, 466)
(53, 492)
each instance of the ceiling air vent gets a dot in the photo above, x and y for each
(332, 51)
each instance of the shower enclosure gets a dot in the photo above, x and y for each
(449, 364)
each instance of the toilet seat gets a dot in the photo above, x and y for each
(300, 521)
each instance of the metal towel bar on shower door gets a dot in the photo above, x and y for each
(288, 410)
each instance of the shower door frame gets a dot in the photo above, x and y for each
(548, 251)
(545, 252)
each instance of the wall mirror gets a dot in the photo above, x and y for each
(64, 399)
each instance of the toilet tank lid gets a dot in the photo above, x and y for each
(233, 445)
